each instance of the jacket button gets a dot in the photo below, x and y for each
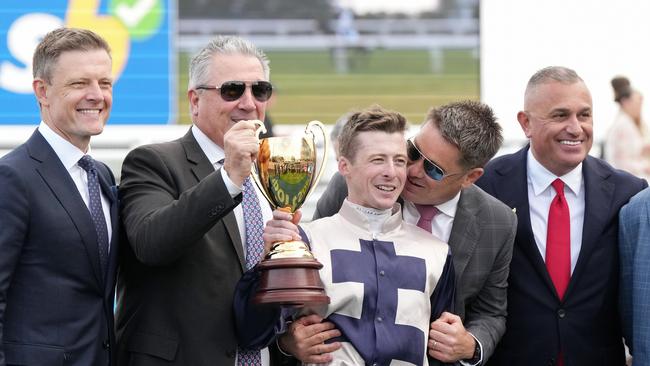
(66, 356)
(220, 206)
(106, 344)
(212, 213)
(561, 313)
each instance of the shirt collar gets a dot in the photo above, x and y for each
(213, 151)
(542, 178)
(67, 152)
(448, 208)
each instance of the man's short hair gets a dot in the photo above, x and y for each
(471, 127)
(549, 74)
(199, 72)
(373, 118)
(63, 40)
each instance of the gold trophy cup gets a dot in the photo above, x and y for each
(285, 172)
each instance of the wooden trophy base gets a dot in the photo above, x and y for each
(290, 281)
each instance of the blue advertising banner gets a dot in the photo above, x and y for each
(140, 33)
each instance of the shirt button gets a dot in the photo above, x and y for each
(561, 313)
(381, 273)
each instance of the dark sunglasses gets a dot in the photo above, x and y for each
(233, 90)
(430, 168)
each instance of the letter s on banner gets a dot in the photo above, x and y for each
(22, 38)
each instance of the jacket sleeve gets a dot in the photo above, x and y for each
(485, 318)
(14, 221)
(160, 220)
(444, 294)
(257, 326)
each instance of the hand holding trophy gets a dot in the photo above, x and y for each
(285, 172)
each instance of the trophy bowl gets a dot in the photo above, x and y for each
(285, 172)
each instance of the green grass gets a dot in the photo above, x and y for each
(308, 87)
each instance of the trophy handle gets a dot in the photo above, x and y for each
(254, 172)
(308, 129)
(260, 128)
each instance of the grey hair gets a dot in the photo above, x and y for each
(548, 74)
(232, 45)
(471, 127)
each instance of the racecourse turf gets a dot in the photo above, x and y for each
(308, 86)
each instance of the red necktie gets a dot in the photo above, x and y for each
(427, 213)
(558, 240)
(558, 245)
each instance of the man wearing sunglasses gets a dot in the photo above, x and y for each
(563, 286)
(186, 206)
(446, 157)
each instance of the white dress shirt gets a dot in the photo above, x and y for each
(69, 156)
(443, 221)
(215, 153)
(540, 195)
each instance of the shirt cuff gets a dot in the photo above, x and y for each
(232, 187)
(277, 343)
(480, 359)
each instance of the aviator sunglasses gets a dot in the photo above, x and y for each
(232, 90)
(430, 168)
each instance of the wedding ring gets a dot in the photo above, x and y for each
(434, 344)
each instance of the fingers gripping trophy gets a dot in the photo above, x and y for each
(285, 172)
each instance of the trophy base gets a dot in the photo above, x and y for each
(290, 281)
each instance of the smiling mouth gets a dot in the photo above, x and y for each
(413, 183)
(570, 142)
(385, 188)
(89, 111)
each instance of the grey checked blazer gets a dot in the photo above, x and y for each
(634, 247)
(481, 243)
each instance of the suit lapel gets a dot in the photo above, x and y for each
(63, 187)
(598, 197)
(464, 231)
(512, 189)
(201, 168)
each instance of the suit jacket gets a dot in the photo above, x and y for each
(56, 306)
(481, 242)
(634, 244)
(177, 277)
(584, 325)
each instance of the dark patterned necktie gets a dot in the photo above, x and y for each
(95, 206)
(254, 224)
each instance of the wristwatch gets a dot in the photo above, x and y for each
(476, 357)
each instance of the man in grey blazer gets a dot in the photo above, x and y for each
(184, 221)
(447, 157)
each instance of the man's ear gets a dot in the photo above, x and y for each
(344, 166)
(524, 122)
(193, 97)
(472, 176)
(40, 90)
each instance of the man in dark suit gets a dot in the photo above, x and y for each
(58, 215)
(446, 157)
(184, 222)
(563, 284)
